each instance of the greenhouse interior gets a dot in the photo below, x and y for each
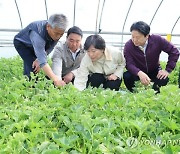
(112, 19)
(38, 117)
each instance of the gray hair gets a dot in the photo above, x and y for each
(58, 20)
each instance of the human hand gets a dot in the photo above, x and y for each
(112, 77)
(59, 83)
(68, 77)
(162, 74)
(145, 80)
(36, 66)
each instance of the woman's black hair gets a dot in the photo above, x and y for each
(141, 27)
(95, 40)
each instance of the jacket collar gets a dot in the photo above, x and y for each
(107, 54)
(81, 50)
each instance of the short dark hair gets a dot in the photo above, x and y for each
(141, 27)
(75, 30)
(96, 40)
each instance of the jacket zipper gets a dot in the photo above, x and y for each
(146, 62)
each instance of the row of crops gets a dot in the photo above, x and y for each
(36, 117)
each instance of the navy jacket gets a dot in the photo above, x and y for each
(36, 37)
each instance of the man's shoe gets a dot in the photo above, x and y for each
(156, 88)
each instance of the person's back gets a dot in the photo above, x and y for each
(37, 26)
(36, 41)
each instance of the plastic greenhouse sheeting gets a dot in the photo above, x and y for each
(111, 18)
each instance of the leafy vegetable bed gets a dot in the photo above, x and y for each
(35, 117)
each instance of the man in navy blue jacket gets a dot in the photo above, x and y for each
(36, 41)
(142, 54)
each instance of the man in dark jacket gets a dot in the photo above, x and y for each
(142, 54)
(36, 41)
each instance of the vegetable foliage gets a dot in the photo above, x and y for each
(36, 117)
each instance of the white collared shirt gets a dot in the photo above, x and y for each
(143, 48)
(74, 54)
